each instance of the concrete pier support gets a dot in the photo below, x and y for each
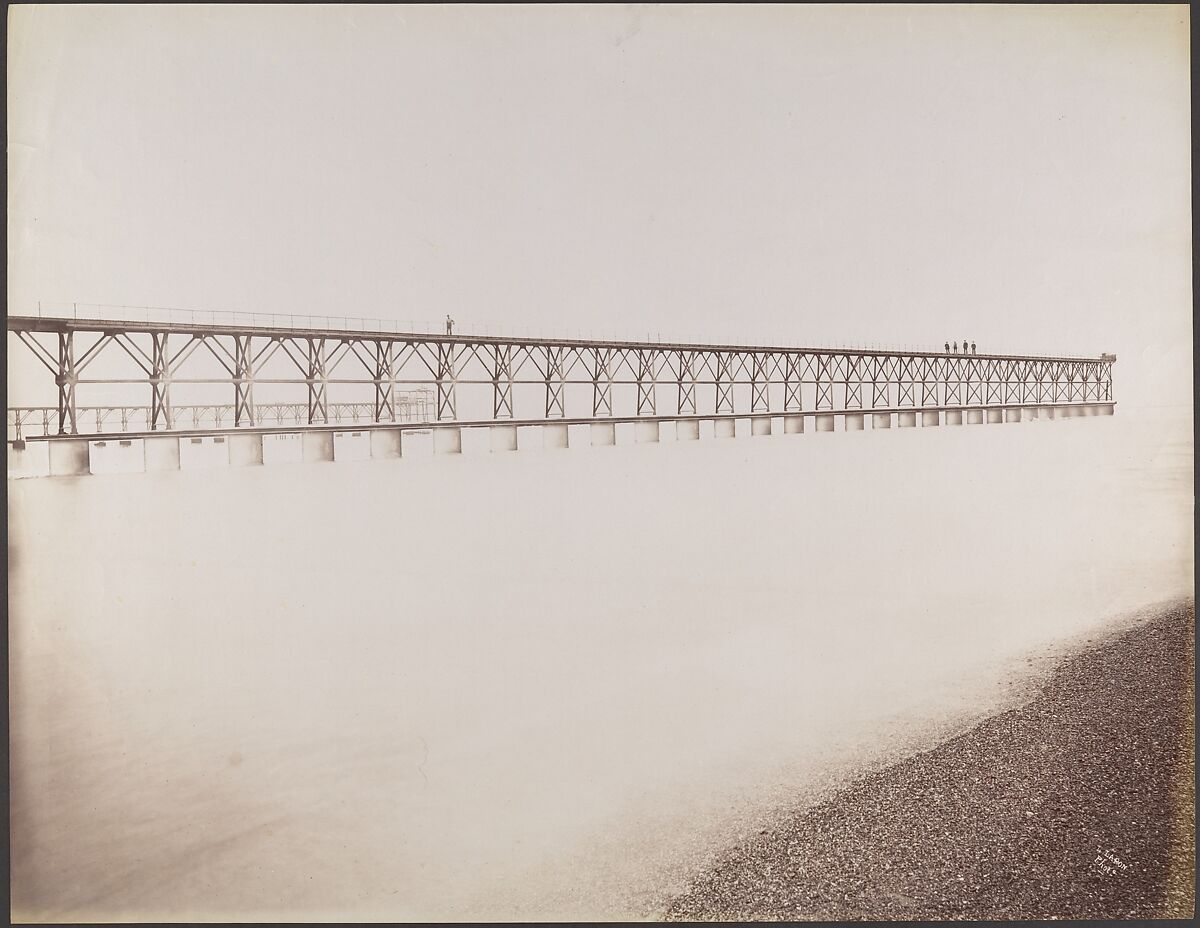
(995, 416)
(793, 425)
(855, 421)
(316, 446)
(69, 458)
(385, 444)
(555, 436)
(825, 422)
(931, 417)
(1091, 409)
(1012, 414)
(954, 417)
(687, 430)
(161, 453)
(1107, 409)
(760, 426)
(881, 420)
(247, 450)
(974, 417)
(725, 428)
(447, 440)
(603, 434)
(645, 431)
(1029, 413)
(503, 437)
(906, 419)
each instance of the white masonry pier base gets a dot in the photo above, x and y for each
(247, 450)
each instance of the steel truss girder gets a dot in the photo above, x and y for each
(602, 381)
(502, 382)
(760, 383)
(687, 383)
(160, 358)
(724, 383)
(646, 382)
(556, 407)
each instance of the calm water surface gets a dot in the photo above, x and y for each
(541, 684)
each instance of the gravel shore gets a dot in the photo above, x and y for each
(1078, 805)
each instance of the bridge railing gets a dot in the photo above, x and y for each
(35, 421)
(388, 324)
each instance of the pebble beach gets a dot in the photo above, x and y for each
(1078, 805)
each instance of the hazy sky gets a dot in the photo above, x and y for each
(846, 175)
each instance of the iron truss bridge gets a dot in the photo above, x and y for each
(625, 381)
(41, 421)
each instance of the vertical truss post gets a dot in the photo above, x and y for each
(385, 382)
(1106, 380)
(555, 402)
(881, 384)
(446, 380)
(687, 383)
(724, 384)
(852, 380)
(160, 382)
(906, 381)
(243, 381)
(931, 377)
(793, 394)
(646, 382)
(601, 382)
(953, 368)
(992, 386)
(502, 382)
(318, 397)
(760, 382)
(974, 384)
(825, 372)
(1011, 384)
(66, 381)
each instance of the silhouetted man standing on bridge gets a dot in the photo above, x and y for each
(449, 325)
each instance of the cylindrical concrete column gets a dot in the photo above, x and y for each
(881, 420)
(385, 443)
(314, 446)
(687, 430)
(555, 436)
(995, 416)
(725, 428)
(760, 426)
(161, 453)
(247, 450)
(974, 417)
(793, 425)
(854, 421)
(604, 433)
(1029, 413)
(1012, 414)
(931, 417)
(503, 437)
(954, 417)
(69, 458)
(447, 440)
(645, 431)
(1091, 409)
(825, 422)
(907, 418)
(1107, 409)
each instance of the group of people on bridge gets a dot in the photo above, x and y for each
(966, 349)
